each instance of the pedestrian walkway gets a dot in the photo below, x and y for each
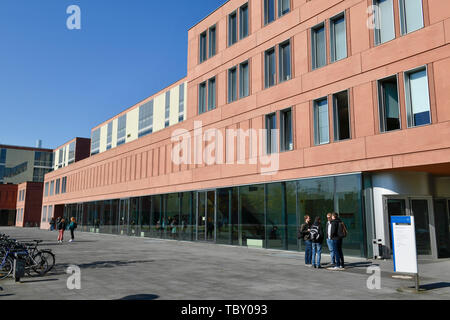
(116, 267)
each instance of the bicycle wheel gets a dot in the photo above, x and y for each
(40, 264)
(6, 267)
(50, 257)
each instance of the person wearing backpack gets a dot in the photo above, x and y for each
(61, 228)
(304, 233)
(338, 233)
(316, 234)
(72, 227)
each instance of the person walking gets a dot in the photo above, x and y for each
(304, 232)
(61, 228)
(52, 224)
(317, 236)
(72, 227)
(338, 232)
(330, 241)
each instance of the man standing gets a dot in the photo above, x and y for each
(337, 234)
(330, 241)
(304, 232)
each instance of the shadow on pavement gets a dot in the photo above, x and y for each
(141, 297)
(433, 286)
(61, 268)
(43, 280)
(6, 295)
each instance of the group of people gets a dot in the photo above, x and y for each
(61, 224)
(313, 235)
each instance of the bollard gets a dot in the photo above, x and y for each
(19, 268)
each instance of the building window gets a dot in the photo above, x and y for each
(244, 80)
(417, 97)
(269, 11)
(285, 61)
(61, 153)
(318, 46)
(384, 21)
(286, 142)
(167, 110)
(64, 185)
(181, 103)
(71, 153)
(232, 85)
(284, 6)
(388, 104)
(52, 187)
(121, 129)
(95, 145)
(50, 213)
(44, 214)
(338, 38)
(411, 15)
(203, 47)
(46, 189)
(145, 119)
(271, 133)
(202, 98)
(270, 68)
(243, 21)
(341, 116)
(57, 186)
(232, 28)
(211, 94)
(212, 41)
(109, 136)
(321, 123)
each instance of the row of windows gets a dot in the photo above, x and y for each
(417, 112)
(58, 186)
(22, 195)
(20, 215)
(47, 213)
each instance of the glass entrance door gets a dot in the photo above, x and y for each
(124, 206)
(206, 221)
(421, 209)
(442, 223)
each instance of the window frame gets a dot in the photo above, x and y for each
(316, 123)
(283, 130)
(281, 76)
(332, 33)
(314, 51)
(232, 87)
(408, 105)
(402, 18)
(377, 14)
(268, 76)
(382, 106)
(230, 39)
(241, 77)
(336, 126)
(271, 138)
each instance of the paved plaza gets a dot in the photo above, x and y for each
(116, 267)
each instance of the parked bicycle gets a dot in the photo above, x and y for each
(36, 260)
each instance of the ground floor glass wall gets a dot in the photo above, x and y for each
(263, 215)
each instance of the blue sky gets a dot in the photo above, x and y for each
(56, 84)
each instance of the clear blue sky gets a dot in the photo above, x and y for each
(56, 84)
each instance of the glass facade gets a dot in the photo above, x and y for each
(263, 215)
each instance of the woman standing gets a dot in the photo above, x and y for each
(61, 227)
(72, 227)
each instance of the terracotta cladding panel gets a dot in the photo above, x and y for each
(442, 87)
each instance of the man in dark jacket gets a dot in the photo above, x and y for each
(304, 233)
(337, 236)
(317, 239)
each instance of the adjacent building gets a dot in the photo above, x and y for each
(290, 108)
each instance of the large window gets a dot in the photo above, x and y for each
(145, 119)
(232, 28)
(211, 94)
(417, 97)
(244, 79)
(253, 231)
(71, 153)
(167, 110)
(203, 48)
(269, 11)
(388, 104)
(243, 21)
(341, 116)
(318, 46)
(207, 44)
(321, 122)
(109, 136)
(286, 143)
(232, 85)
(212, 42)
(338, 38)
(384, 21)
(270, 72)
(64, 185)
(202, 98)
(284, 58)
(57, 186)
(95, 145)
(271, 133)
(284, 6)
(181, 103)
(46, 189)
(52, 187)
(121, 130)
(411, 15)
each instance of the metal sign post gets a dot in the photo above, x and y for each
(404, 246)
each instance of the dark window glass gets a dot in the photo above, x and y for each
(212, 41)
(122, 130)
(341, 115)
(271, 133)
(318, 41)
(276, 223)
(202, 98)
(284, 6)
(286, 130)
(388, 105)
(285, 61)
(145, 119)
(252, 216)
(243, 21)
(203, 47)
(269, 11)
(211, 94)
(232, 85)
(244, 79)
(232, 28)
(270, 68)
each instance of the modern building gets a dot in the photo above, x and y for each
(29, 204)
(21, 164)
(293, 107)
(70, 152)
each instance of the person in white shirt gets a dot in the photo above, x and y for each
(329, 241)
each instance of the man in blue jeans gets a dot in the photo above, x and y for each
(305, 230)
(329, 241)
(337, 241)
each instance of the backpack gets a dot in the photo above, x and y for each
(314, 234)
(342, 230)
